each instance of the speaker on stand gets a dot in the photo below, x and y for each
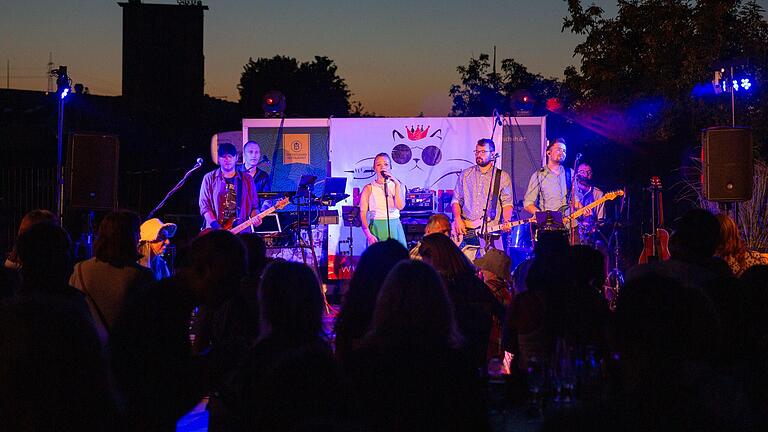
(91, 180)
(727, 166)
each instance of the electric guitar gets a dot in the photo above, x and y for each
(580, 212)
(490, 228)
(250, 221)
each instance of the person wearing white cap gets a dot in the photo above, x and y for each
(154, 238)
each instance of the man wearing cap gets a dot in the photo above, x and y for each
(227, 197)
(495, 267)
(154, 238)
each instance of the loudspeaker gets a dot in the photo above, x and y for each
(92, 171)
(726, 164)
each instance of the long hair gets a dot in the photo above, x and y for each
(413, 310)
(290, 302)
(445, 256)
(118, 238)
(360, 299)
(731, 243)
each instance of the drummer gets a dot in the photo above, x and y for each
(587, 193)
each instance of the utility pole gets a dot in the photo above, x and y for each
(50, 72)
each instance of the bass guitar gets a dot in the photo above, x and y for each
(656, 244)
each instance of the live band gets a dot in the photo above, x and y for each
(482, 206)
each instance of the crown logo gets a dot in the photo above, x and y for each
(415, 134)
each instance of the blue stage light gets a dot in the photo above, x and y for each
(64, 93)
(745, 84)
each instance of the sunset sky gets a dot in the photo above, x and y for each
(398, 57)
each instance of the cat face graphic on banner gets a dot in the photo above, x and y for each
(413, 148)
(426, 153)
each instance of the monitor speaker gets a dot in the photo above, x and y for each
(92, 171)
(727, 164)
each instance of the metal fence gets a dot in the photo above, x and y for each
(21, 190)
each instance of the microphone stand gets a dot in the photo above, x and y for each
(572, 203)
(484, 225)
(386, 206)
(175, 188)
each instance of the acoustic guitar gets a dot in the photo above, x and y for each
(655, 244)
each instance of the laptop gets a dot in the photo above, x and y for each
(334, 186)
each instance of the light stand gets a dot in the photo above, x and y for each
(62, 83)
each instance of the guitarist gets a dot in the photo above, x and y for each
(471, 193)
(227, 197)
(587, 193)
(549, 187)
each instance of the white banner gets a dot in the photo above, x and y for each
(426, 153)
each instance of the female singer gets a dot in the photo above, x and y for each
(372, 200)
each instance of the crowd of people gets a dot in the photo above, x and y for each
(113, 343)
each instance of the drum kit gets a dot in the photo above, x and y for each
(602, 234)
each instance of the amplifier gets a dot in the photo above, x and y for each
(419, 200)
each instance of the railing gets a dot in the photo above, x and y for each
(23, 189)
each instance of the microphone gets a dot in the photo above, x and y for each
(498, 117)
(265, 159)
(496, 156)
(578, 156)
(386, 175)
(199, 161)
(583, 179)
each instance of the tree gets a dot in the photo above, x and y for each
(311, 89)
(482, 89)
(646, 62)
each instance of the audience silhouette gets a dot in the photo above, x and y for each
(685, 349)
(357, 305)
(289, 379)
(409, 373)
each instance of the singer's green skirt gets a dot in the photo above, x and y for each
(378, 228)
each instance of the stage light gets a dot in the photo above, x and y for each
(554, 104)
(62, 81)
(522, 103)
(745, 84)
(273, 104)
